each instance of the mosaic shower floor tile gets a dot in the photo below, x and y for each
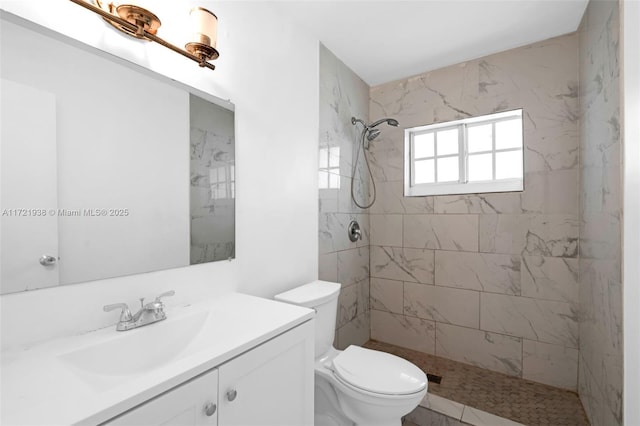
(520, 400)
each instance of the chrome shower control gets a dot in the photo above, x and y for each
(354, 231)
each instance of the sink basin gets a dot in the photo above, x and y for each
(137, 351)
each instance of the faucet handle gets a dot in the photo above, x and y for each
(165, 294)
(125, 315)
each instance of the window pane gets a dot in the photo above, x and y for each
(480, 138)
(509, 164)
(509, 134)
(448, 169)
(323, 180)
(334, 181)
(448, 142)
(423, 145)
(324, 157)
(480, 167)
(334, 156)
(424, 171)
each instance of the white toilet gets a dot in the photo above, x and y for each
(355, 386)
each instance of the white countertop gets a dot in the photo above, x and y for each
(39, 387)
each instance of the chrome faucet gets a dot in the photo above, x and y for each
(148, 314)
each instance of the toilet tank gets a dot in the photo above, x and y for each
(322, 296)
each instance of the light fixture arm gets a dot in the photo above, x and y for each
(143, 33)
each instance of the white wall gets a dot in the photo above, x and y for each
(631, 177)
(269, 70)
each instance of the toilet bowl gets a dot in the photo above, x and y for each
(356, 386)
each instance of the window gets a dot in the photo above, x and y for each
(480, 154)
(329, 170)
(221, 182)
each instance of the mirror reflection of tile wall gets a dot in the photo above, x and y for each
(212, 182)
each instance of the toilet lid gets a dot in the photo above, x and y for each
(378, 372)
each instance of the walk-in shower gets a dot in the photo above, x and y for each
(369, 133)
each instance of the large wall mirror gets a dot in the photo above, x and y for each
(107, 170)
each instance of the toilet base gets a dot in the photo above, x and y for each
(324, 420)
(327, 410)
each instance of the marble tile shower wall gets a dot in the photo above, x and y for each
(490, 279)
(344, 95)
(600, 376)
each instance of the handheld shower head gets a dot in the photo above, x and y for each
(372, 134)
(390, 121)
(368, 133)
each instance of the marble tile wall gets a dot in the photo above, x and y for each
(600, 261)
(488, 279)
(344, 95)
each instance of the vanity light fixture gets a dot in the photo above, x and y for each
(140, 23)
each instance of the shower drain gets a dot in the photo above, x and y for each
(433, 378)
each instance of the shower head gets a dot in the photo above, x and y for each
(370, 131)
(372, 134)
(390, 121)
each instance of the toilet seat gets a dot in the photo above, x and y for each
(378, 372)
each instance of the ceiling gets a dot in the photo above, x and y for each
(386, 40)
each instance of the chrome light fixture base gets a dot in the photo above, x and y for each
(143, 19)
(202, 51)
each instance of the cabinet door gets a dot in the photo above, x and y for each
(271, 384)
(192, 403)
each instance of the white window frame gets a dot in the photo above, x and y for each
(462, 186)
(327, 169)
(227, 182)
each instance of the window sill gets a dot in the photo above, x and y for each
(507, 185)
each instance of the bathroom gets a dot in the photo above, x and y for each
(295, 99)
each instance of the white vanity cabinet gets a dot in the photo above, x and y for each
(250, 357)
(192, 403)
(270, 384)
